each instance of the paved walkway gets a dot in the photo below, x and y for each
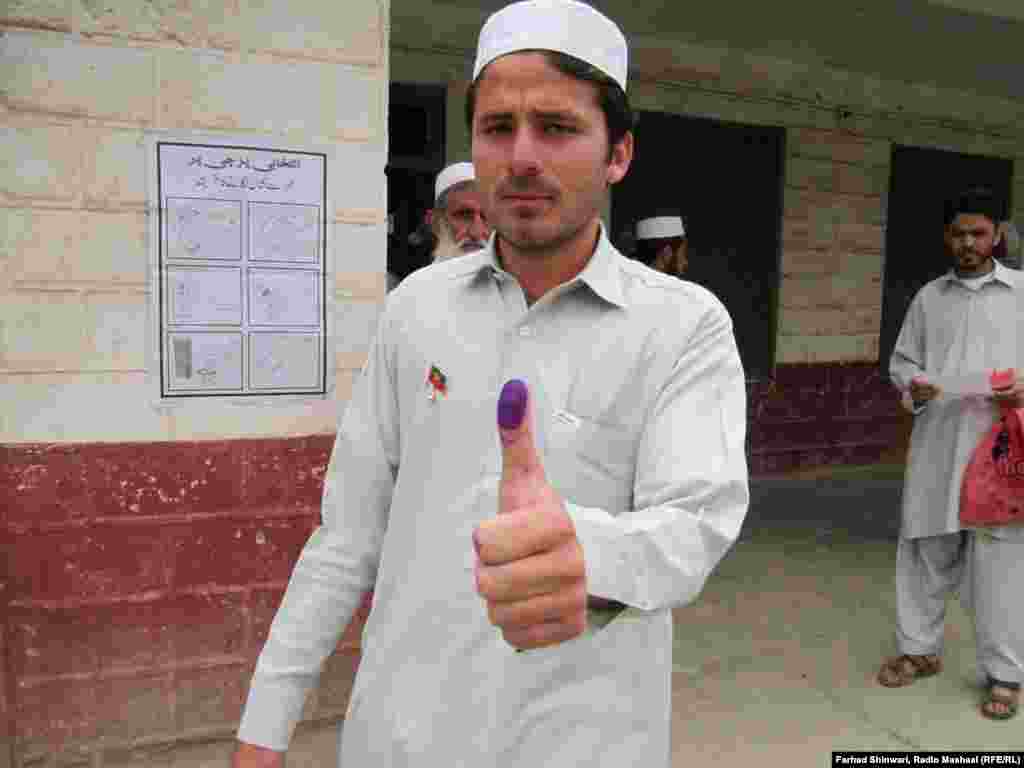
(775, 663)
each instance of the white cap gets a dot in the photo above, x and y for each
(566, 26)
(660, 226)
(456, 173)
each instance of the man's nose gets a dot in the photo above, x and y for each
(479, 228)
(524, 160)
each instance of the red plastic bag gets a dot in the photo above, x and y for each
(992, 492)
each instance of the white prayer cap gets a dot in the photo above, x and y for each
(566, 26)
(456, 173)
(659, 227)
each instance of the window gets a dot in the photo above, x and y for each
(725, 180)
(416, 153)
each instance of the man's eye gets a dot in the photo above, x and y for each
(497, 128)
(559, 128)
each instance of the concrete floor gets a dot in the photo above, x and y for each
(775, 663)
(778, 657)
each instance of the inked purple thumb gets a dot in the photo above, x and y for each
(521, 470)
(512, 404)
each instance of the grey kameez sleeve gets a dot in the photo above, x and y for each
(691, 487)
(907, 359)
(339, 561)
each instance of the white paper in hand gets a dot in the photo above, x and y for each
(962, 385)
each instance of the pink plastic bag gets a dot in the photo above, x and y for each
(992, 492)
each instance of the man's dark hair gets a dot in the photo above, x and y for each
(619, 117)
(977, 200)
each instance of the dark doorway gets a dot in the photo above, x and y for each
(416, 144)
(920, 182)
(725, 180)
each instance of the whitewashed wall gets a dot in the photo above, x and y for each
(83, 83)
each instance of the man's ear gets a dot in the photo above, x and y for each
(621, 157)
(428, 217)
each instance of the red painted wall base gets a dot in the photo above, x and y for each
(141, 579)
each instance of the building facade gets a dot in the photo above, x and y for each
(147, 541)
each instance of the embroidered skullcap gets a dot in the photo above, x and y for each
(566, 26)
(660, 227)
(456, 173)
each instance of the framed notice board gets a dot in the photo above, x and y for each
(241, 272)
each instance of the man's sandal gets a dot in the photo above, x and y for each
(903, 670)
(998, 693)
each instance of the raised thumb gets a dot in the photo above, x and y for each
(515, 428)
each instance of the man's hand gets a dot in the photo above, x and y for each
(1014, 395)
(251, 756)
(530, 567)
(921, 390)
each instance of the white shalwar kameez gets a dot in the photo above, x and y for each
(640, 404)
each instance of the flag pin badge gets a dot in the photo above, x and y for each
(437, 383)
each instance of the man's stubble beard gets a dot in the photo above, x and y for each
(575, 219)
(981, 258)
(544, 247)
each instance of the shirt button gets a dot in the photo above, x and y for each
(526, 331)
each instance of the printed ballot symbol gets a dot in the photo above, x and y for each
(437, 383)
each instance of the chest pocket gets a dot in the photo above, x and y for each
(589, 463)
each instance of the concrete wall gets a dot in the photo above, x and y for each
(141, 568)
(83, 82)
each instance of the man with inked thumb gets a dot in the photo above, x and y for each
(532, 570)
(524, 572)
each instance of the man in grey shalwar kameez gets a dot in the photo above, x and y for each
(965, 322)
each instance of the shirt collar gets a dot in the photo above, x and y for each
(602, 274)
(999, 273)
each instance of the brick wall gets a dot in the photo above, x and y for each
(819, 415)
(840, 129)
(830, 294)
(140, 584)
